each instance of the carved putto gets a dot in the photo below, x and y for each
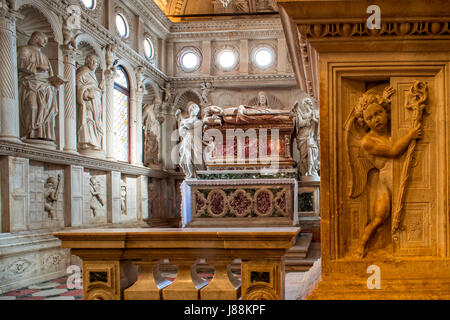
(307, 136)
(96, 197)
(37, 90)
(123, 198)
(89, 102)
(51, 192)
(110, 59)
(369, 146)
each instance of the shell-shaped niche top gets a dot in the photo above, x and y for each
(272, 101)
(34, 21)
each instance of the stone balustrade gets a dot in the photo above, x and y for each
(111, 258)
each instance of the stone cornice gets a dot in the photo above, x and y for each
(237, 80)
(64, 158)
(243, 28)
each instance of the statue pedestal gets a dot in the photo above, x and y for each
(100, 154)
(41, 143)
(239, 202)
(359, 199)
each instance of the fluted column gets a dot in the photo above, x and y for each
(9, 103)
(70, 102)
(109, 96)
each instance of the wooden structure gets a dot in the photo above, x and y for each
(111, 256)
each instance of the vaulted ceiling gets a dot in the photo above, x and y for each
(178, 10)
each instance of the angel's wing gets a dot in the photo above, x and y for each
(359, 164)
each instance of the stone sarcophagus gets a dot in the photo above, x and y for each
(248, 137)
(384, 118)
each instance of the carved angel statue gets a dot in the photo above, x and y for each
(205, 88)
(191, 146)
(140, 86)
(123, 198)
(369, 146)
(167, 92)
(110, 60)
(307, 133)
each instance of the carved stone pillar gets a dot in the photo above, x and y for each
(109, 99)
(9, 111)
(70, 103)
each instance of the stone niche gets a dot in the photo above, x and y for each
(384, 181)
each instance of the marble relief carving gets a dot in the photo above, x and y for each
(273, 201)
(89, 101)
(37, 90)
(52, 189)
(123, 198)
(96, 196)
(369, 146)
(307, 136)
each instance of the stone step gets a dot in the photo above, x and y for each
(301, 247)
(303, 264)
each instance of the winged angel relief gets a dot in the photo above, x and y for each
(369, 147)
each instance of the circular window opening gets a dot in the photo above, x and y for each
(264, 58)
(90, 4)
(149, 49)
(227, 59)
(190, 61)
(122, 26)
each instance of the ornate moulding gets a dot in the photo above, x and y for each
(64, 158)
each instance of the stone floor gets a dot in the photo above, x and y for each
(57, 289)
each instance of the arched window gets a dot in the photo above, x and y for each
(122, 116)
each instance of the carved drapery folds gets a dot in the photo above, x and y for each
(152, 133)
(90, 110)
(37, 90)
(307, 138)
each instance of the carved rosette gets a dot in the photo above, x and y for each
(263, 202)
(240, 203)
(217, 203)
(200, 204)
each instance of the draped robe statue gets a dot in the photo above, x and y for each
(152, 133)
(191, 147)
(307, 136)
(89, 102)
(37, 90)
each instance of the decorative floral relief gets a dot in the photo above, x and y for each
(241, 203)
(217, 203)
(200, 204)
(19, 267)
(281, 203)
(263, 202)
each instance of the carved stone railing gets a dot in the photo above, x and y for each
(110, 257)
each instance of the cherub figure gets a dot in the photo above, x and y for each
(368, 145)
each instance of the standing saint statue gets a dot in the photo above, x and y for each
(37, 90)
(89, 102)
(307, 135)
(152, 132)
(191, 147)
